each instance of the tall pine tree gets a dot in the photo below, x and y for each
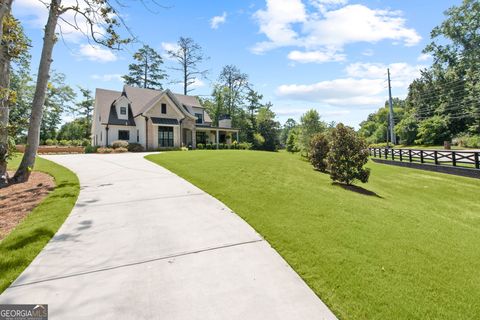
(146, 72)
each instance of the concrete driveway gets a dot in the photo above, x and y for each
(142, 243)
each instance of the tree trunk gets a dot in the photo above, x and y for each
(28, 160)
(5, 8)
(185, 70)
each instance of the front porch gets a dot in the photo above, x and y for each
(216, 136)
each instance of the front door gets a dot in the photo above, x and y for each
(165, 137)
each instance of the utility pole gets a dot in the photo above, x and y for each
(390, 103)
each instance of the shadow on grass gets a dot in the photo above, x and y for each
(357, 189)
(32, 237)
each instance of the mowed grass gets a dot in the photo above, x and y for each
(23, 244)
(412, 252)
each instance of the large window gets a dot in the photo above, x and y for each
(123, 135)
(165, 137)
(199, 118)
(164, 108)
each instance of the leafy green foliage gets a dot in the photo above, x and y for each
(407, 130)
(73, 130)
(319, 148)
(347, 156)
(292, 141)
(433, 131)
(147, 71)
(310, 124)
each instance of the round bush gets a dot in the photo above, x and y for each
(120, 150)
(135, 147)
(49, 142)
(119, 144)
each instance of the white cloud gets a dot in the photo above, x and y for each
(325, 26)
(315, 56)
(95, 52)
(107, 77)
(365, 85)
(216, 21)
(197, 83)
(276, 23)
(424, 57)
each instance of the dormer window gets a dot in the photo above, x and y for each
(164, 108)
(123, 111)
(199, 117)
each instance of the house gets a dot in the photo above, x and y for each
(155, 119)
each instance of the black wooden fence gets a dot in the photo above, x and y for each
(438, 157)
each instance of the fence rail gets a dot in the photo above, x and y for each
(438, 157)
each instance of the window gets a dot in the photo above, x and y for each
(123, 111)
(165, 137)
(123, 135)
(199, 117)
(201, 137)
(164, 108)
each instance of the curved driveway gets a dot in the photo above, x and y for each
(142, 243)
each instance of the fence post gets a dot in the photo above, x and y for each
(454, 159)
(386, 153)
(375, 152)
(435, 156)
(410, 155)
(421, 156)
(393, 154)
(477, 160)
(401, 154)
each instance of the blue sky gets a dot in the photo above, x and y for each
(330, 55)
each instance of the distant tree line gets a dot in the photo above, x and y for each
(443, 103)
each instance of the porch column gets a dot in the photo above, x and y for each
(216, 137)
(237, 137)
(194, 138)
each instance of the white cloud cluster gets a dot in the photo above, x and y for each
(97, 53)
(216, 21)
(364, 85)
(73, 28)
(326, 26)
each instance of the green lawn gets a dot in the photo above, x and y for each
(411, 252)
(23, 244)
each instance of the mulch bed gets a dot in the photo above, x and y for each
(18, 200)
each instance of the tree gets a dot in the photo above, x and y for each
(237, 83)
(407, 129)
(84, 109)
(73, 130)
(433, 131)
(253, 104)
(147, 72)
(292, 141)
(287, 127)
(268, 128)
(13, 45)
(189, 56)
(57, 101)
(309, 125)
(93, 13)
(319, 148)
(347, 156)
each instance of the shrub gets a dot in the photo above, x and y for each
(120, 150)
(433, 131)
(91, 149)
(292, 143)
(77, 143)
(119, 144)
(347, 156)
(86, 142)
(234, 144)
(244, 145)
(407, 130)
(258, 140)
(49, 142)
(104, 150)
(200, 146)
(65, 142)
(135, 147)
(319, 147)
(467, 141)
(184, 149)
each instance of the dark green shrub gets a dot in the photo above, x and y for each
(119, 144)
(244, 145)
(318, 154)
(347, 156)
(91, 149)
(135, 147)
(86, 142)
(200, 146)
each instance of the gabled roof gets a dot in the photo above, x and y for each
(141, 100)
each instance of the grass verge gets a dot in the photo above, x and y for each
(405, 246)
(29, 237)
